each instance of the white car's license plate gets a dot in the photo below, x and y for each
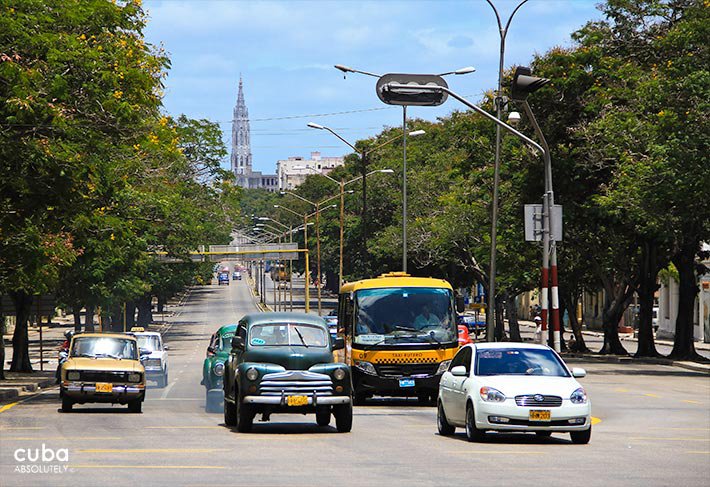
(406, 382)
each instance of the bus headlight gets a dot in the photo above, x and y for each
(366, 367)
(218, 369)
(443, 367)
(339, 374)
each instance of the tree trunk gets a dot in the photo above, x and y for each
(161, 303)
(331, 278)
(76, 312)
(2, 347)
(646, 290)
(513, 325)
(89, 318)
(577, 343)
(20, 339)
(130, 314)
(145, 315)
(614, 307)
(499, 329)
(683, 344)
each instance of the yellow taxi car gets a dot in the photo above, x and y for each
(103, 368)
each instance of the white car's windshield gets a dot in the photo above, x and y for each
(519, 361)
(404, 315)
(149, 342)
(101, 347)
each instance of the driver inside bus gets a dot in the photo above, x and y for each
(426, 319)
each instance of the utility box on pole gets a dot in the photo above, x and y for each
(534, 223)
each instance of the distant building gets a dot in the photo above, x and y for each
(293, 171)
(241, 162)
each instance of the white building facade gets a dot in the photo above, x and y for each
(293, 171)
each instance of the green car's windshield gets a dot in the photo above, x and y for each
(283, 334)
(100, 347)
(404, 315)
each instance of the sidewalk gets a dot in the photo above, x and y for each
(595, 339)
(18, 384)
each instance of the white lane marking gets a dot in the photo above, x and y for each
(166, 391)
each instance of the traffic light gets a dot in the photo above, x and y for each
(524, 83)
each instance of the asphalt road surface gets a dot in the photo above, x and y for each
(652, 427)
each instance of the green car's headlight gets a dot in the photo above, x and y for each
(73, 375)
(339, 374)
(218, 369)
(252, 373)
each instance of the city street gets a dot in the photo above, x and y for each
(652, 427)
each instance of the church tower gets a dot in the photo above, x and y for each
(241, 146)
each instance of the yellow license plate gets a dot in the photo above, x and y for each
(297, 400)
(540, 415)
(104, 387)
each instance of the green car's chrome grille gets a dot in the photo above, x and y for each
(296, 383)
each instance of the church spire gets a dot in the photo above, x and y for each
(241, 145)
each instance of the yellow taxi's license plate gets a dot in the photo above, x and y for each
(104, 387)
(540, 415)
(297, 400)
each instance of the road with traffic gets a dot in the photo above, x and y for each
(651, 427)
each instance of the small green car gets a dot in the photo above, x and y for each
(213, 367)
(283, 363)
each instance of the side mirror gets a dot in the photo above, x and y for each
(579, 372)
(338, 343)
(459, 371)
(165, 347)
(460, 304)
(238, 342)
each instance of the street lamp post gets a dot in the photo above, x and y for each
(503, 31)
(410, 98)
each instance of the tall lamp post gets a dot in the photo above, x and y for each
(404, 102)
(289, 229)
(499, 102)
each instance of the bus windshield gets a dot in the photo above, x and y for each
(400, 315)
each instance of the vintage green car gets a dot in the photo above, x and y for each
(213, 367)
(283, 363)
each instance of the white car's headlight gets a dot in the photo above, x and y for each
(490, 394)
(443, 367)
(252, 373)
(73, 375)
(578, 396)
(339, 374)
(366, 367)
(218, 369)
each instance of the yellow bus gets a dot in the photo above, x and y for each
(400, 333)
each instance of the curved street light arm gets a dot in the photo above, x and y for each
(395, 86)
(316, 171)
(347, 69)
(299, 197)
(384, 171)
(301, 215)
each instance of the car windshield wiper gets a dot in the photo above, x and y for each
(405, 328)
(108, 355)
(84, 355)
(301, 337)
(432, 336)
(373, 345)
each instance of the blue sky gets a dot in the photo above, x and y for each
(286, 50)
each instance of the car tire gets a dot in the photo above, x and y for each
(472, 432)
(323, 417)
(581, 437)
(135, 406)
(67, 404)
(245, 417)
(445, 429)
(230, 413)
(344, 417)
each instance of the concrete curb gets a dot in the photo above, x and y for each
(10, 392)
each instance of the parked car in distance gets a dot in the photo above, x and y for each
(213, 367)
(283, 363)
(236, 276)
(223, 278)
(512, 387)
(464, 337)
(156, 362)
(103, 368)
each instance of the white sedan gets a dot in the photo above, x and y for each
(512, 387)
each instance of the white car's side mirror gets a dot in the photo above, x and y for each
(459, 371)
(578, 372)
